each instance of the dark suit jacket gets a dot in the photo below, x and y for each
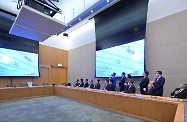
(160, 85)
(151, 91)
(144, 84)
(121, 83)
(86, 85)
(106, 86)
(111, 87)
(91, 86)
(182, 95)
(97, 86)
(114, 81)
(132, 89)
(81, 84)
(76, 84)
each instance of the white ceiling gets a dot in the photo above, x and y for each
(70, 8)
(157, 9)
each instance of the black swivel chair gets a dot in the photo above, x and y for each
(24, 85)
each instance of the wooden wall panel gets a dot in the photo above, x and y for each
(48, 57)
(58, 75)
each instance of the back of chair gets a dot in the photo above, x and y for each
(34, 84)
(45, 84)
(24, 85)
(11, 85)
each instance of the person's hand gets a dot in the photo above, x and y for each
(176, 92)
(125, 84)
(144, 89)
(138, 87)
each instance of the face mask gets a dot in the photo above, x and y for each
(180, 85)
(149, 85)
(156, 75)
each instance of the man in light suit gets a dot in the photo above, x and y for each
(180, 92)
(130, 88)
(159, 83)
(122, 81)
(144, 82)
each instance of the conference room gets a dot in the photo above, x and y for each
(93, 60)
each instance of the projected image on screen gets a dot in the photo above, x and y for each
(18, 63)
(128, 58)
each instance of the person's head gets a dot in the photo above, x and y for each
(146, 73)
(81, 80)
(91, 81)
(158, 73)
(128, 75)
(110, 81)
(77, 80)
(183, 85)
(123, 74)
(86, 80)
(97, 81)
(130, 82)
(106, 81)
(152, 83)
(113, 74)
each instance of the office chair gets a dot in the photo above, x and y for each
(45, 84)
(34, 84)
(24, 85)
(11, 85)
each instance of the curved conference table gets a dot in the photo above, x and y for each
(142, 106)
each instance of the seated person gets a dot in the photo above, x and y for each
(130, 88)
(152, 90)
(81, 84)
(86, 83)
(106, 84)
(97, 84)
(91, 85)
(180, 92)
(111, 86)
(76, 83)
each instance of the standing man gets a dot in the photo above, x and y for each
(159, 83)
(144, 82)
(114, 79)
(122, 81)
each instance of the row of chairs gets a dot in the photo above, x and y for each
(26, 85)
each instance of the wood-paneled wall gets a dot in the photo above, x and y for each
(49, 57)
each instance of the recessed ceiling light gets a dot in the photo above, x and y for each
(92, 11)
(108, 0)
(70, 25)
(79, 18)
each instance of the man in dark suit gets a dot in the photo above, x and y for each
(122, 81)
(130, 88)
(91, 85)
(159, 81)
(81, 84)
(76, 83)
(144, 82)
(180, 92)
(106, 84)
(97, 84)
(111, 86)
(114, 79)
(86, 83)
(152, 90)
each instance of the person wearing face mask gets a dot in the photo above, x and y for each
(180, 92)
(91, 85)
(86, 83)
(130, 88)
(159, 83)
(111, 86)
(97, 84)
(106, 84)
(152, 90)
(81, 84)
(144, 82)
(122, 81)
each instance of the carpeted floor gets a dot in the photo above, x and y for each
(55, 108)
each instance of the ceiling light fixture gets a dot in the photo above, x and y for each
(92, 11)
(108, 1)
(79, 18)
